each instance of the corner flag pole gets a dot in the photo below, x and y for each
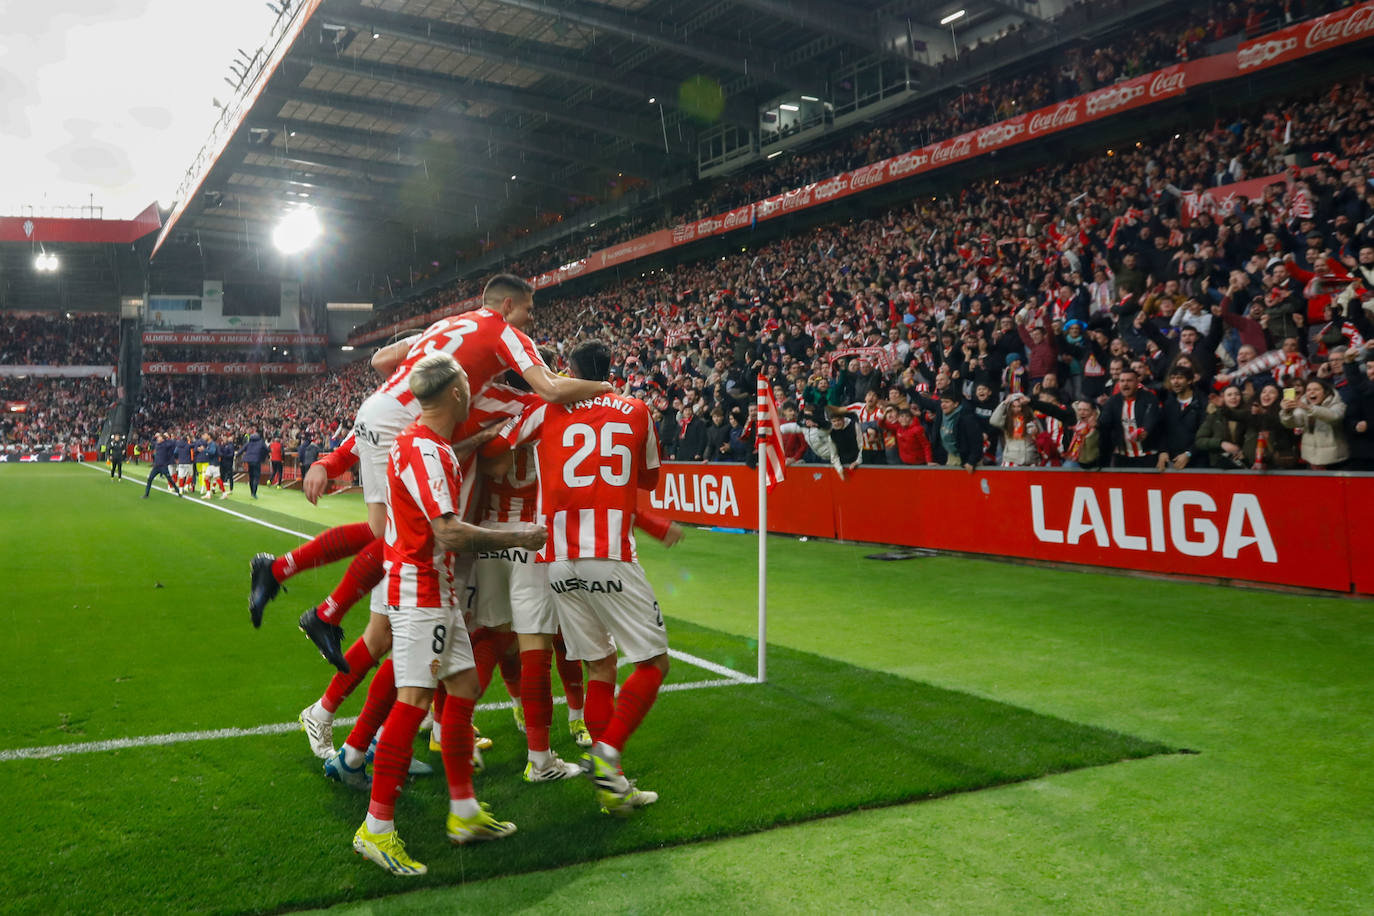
(763, 561)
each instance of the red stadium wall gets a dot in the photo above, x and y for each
(1296, 529)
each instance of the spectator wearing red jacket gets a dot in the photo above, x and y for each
(912, 445)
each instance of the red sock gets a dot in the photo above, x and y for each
(392, 763)
(511, 674)
(600, 707)
(455, 738)
(536, 696)
(569, 672)
(361, 576)
(360, 662)
(487, 653)
(332, 545)
(637, 696)
(381, 700)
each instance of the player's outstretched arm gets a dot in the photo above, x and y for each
(559, 389)
(461, 537)
(389, 357)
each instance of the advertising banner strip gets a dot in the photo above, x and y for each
(1237, 525)
(1311, 37)
(232, 338)
(233, 368)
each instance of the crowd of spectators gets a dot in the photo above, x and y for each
(320, 407)
(56, 414)
(1089, 313)
(1181, 37)
(60, 339)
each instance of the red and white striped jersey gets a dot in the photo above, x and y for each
(482, 343)
(865, 414)
(593, 458)
(515, 497)
(423, 483)
(495, 403)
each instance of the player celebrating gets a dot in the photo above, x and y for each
(430, 642)
(163, 452)
(593, 457)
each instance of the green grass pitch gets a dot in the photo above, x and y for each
(889, 683)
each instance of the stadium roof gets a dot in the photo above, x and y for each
(440, 116)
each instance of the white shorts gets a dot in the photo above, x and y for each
(428, 645)
(380, 420)
(211, 472)
(186, 470)
(513, 589)
(603, 604)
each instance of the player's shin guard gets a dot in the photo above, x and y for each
(329, 547)
(381, 700)
(455, 737)
(360, 661)
(358, 580)
(600, 707)
(392, 763)
(487, 648)
(536, 696)
(569, 672)
(637, 696)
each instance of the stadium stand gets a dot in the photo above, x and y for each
(60, 340)
(1184, 34)
(1101, 253)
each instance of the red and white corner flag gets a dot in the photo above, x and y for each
(769, 436)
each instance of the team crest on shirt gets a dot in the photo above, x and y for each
(434, 668)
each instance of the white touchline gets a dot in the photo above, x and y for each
(209, 505)
(279, 728)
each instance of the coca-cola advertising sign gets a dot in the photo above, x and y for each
(1331, 30)
(1166, 83)
(1054, 118)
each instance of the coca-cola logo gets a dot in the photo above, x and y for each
(1062, 116)
(1329, 29)
(737, 218)
(907, 163)
(684, 233)
(1261, 53)
(708, 225)
(957, 148)
(867, 176)
(999, 134)
(767, 208)
(1115, 97)
(1166, 83)
(200, 368)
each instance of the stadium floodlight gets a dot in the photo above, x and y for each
(45, 262)
(953, 17)
(296, 231)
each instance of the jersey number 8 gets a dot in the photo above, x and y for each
(610, 449)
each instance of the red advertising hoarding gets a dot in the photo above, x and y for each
(1251, 527)
(1311, 37)
(234, 338)
(233, 368)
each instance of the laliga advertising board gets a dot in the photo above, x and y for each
(1279, 529)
